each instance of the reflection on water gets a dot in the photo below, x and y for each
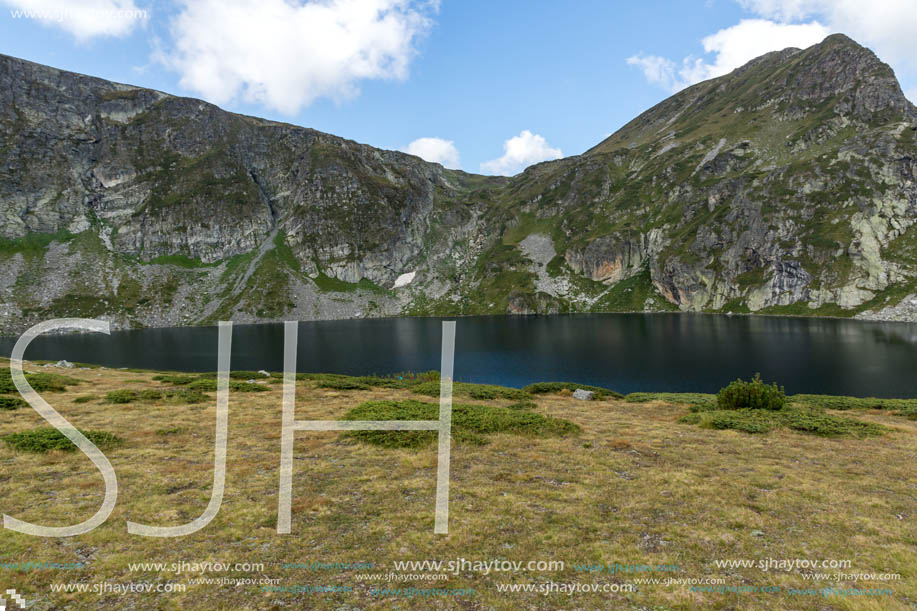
(627, 352)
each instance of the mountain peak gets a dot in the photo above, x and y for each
(837, 77)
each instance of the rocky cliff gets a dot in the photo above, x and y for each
(787, 186)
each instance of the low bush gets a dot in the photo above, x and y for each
(176, 380)
(469, 423)
(747, 420)
(846, 403)
(11, 403)
(381, 382)
(343, 384)
(210, 385)
(40, 381)
(751, 395)
(415, 377)
(185, 396)
(481, 392)
(817, 422)
(122, 396)
(555, 387)
(182, 395)
(813, 421)
(50, 381)
(45, 439)
(84, 398)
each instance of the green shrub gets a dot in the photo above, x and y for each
(176, 380)
(343, 384)
(52, 382)
(817, 422)
(751, 395)
(170, 395)
(743, 419)
(382, 382)
(45, 439)
(210, 385)
(481, 392)
(814, 421)
(185, 396)
(84, 398)
(122, 396)
(416, 377)
(847, 403)
(469, 423)
(555, 387)
(40, 382)
(398, 380)
(11, 403)
(901, 407)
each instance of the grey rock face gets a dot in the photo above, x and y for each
(789, 185)
(583, 395)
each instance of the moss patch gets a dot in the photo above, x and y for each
(811, 421)
(45, 439)
(469, 423)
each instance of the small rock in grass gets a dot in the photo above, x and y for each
(583, 395)
(65, 364)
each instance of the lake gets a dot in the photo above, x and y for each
(625, 352)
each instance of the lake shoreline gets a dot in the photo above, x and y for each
(118, 329)
(626, 352)
(274, 376)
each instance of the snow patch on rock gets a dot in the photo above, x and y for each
(404, 280)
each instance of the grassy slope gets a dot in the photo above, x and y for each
(634, 486)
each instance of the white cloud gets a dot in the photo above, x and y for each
(783, 10)
(731, 47)
(436, 150)
(520, 152)
(286, 53)
(84, 19)
(658, 71)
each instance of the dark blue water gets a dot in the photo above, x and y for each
(626, 352)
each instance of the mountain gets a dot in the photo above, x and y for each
(787, 186)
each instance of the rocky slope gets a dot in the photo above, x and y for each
(787, 186)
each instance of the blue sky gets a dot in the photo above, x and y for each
(486, 86)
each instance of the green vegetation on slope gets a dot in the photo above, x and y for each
(470, 423)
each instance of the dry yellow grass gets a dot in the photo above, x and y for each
(634, 487)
